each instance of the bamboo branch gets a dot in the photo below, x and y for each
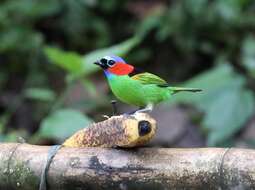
(145, 168)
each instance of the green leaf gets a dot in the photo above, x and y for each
(228, 10)
(78, 65)
(211, 82)
(227, 114)
(41, 94)
(248, 54)
(226, 102)
(13, 136)
(63, 123)
(70, 61)
(1, 138)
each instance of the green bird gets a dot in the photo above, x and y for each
(134, 87)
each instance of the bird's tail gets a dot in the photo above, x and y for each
(182, 89)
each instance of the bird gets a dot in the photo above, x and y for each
(136, 87)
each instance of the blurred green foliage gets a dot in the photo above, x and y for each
(227, 103)
(62, 123)
(81, 66)
(47, 48)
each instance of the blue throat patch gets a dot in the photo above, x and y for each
(108, 74)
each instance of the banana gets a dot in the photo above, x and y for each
(117, 131)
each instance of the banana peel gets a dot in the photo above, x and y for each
(117, 131)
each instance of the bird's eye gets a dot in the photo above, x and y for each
(111, 63)
(103, 60)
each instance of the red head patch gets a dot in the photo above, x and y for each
(120, 68)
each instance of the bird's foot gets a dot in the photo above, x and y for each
(131, 112)
(148, 109)
(114, 110)
(106, 116)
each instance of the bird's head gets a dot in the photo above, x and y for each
(114, 65)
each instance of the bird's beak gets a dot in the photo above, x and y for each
(98, 63)
(103, 66)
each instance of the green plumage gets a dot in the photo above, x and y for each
(142, 89)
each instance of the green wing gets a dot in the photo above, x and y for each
(148, 78)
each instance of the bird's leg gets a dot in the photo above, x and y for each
(114, 107)
(148, 108)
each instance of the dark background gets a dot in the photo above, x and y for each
(49, 87)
